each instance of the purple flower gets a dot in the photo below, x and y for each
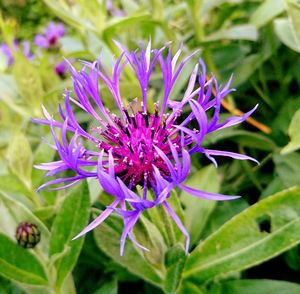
(53, 32)
(113, 10)
(8, 52)
(61, 68)
(138, 147)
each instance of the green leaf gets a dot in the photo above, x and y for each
(222, 213)
(12, 185)
(19, 264)
(13, 212)
(71, 218)
(149, 236)
(292, 258)
(294, 134)
(19, 157)
(288, 168)
(245, 138)
(164, 223)
(197, 211)
(293, 11)
(107, 237)
(265, 12)
(71, 15)
(255, 286)
(119, 24)
(43, 153)
(188, 287)
(110, 287)
(239, 32)
(284, 32)
(247, 68)
(259, 233)
(174, 260)
(29, 82)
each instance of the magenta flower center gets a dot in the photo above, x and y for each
(52, 40)
(132, 140)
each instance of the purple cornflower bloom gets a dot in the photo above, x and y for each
(137, 147)
(9, 55)
(61, 68)
(53, 32)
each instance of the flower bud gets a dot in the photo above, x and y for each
(28, 235)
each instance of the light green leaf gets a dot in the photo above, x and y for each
(266, 11)
(197, 211)
(19, 157)
(43, 153)
(119, 24)
(3, 62)
(19, 264)
(284, 32)
(288, 168)
(72, 217)
(294, 134)
(293, 11)
(107, 237)
(255, 286)
(8, 86)
(12, 185)
(71, 44)
(70, 14)
(239, 32)
(13, 212)
(259, 233)
(29, 82)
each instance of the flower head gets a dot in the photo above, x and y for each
(138, 147)
(53, 32)
(6, 50)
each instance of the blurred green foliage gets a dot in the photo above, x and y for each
(232, 242)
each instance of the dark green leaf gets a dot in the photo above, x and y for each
(19, 264)
(174, 260)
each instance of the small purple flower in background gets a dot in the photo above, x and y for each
(137, 147)
(61, 68)
(8, 52)
(113, 10)
(53, 32)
